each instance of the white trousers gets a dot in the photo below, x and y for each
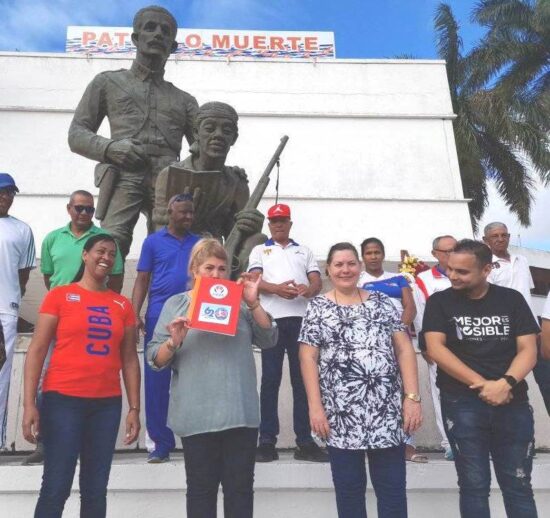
(9, 326)
(432, 369)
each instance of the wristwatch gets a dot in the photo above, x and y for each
(414, 397)
(510, 380)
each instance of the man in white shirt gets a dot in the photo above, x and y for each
(17, 258)
(509, 270)
(546, 329)
(512, 271)
(290, 276)
(429, 282)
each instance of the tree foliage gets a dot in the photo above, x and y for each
(500, 95)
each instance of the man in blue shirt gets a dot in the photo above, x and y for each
(162, 271)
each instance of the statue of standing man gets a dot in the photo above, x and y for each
(148, 117)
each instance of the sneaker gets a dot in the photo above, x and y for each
(310, 452)
(266, 452)
(449, 454)
(157, 457)
(36, 457)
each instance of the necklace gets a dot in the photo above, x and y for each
(358, 294)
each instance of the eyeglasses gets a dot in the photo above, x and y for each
(446, 252)
(84, 208)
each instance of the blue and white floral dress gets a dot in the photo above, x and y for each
(359, 376)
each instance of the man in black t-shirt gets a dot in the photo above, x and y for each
(483, 339)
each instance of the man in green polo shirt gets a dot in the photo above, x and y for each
(62, 248)
(61, 258)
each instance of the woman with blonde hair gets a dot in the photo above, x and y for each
(214, 404)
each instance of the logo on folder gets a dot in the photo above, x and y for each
(215, 313)
(218, 291)
(207, 313)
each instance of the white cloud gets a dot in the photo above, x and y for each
(32, 25)
(535, 236)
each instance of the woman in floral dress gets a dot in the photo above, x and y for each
(360, 374)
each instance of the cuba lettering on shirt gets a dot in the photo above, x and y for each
(90, 329)
(99, 329)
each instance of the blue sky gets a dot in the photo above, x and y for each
(363, 29)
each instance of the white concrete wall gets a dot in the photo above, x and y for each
(371, 148)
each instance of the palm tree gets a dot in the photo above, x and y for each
(496, 130)
(515, 52)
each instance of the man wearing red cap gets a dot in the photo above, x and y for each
(290, 276)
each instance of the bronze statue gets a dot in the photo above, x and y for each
(220, 193)
(148, 117)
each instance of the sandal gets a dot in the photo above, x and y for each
(412, 456)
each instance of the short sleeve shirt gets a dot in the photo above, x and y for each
(391, 284)
(480, 332)
(17, 252)
(167, 259)
(86, 357)
(359, 376)
(514, 274)
(279, 264)
(61, 254)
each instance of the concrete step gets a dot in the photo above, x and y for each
(286, 488)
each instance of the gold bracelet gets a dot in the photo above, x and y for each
(254, 306)
(136, 408)
(170, 345)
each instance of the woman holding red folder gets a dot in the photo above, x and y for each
(214, 405)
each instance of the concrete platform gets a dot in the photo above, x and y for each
(287, 488)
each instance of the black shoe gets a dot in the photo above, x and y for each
(36, 457)
(266, 453)
(310, 452)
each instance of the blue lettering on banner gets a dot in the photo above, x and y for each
(99, 328)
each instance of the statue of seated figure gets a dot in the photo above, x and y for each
(219, 192)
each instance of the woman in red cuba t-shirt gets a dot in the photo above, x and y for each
(94, 331)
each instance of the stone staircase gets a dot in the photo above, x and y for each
(283, 489)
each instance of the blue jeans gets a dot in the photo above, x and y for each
(73, 427)
(225, 457)
(389, 479)
(541, 372)
(157, 396)
(272, 372)
(506, 433)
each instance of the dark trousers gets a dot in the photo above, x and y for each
(541, 372)
(227, 457)
(506, 433)
(73, 427)
(134, 194)
(157, 396)
(387, 472)
(272, 372)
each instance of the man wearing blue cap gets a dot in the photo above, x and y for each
(17, 258)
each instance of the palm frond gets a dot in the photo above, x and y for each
(506, 13)
(511, 177)
(449, 43)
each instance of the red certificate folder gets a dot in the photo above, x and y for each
(215, 305)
